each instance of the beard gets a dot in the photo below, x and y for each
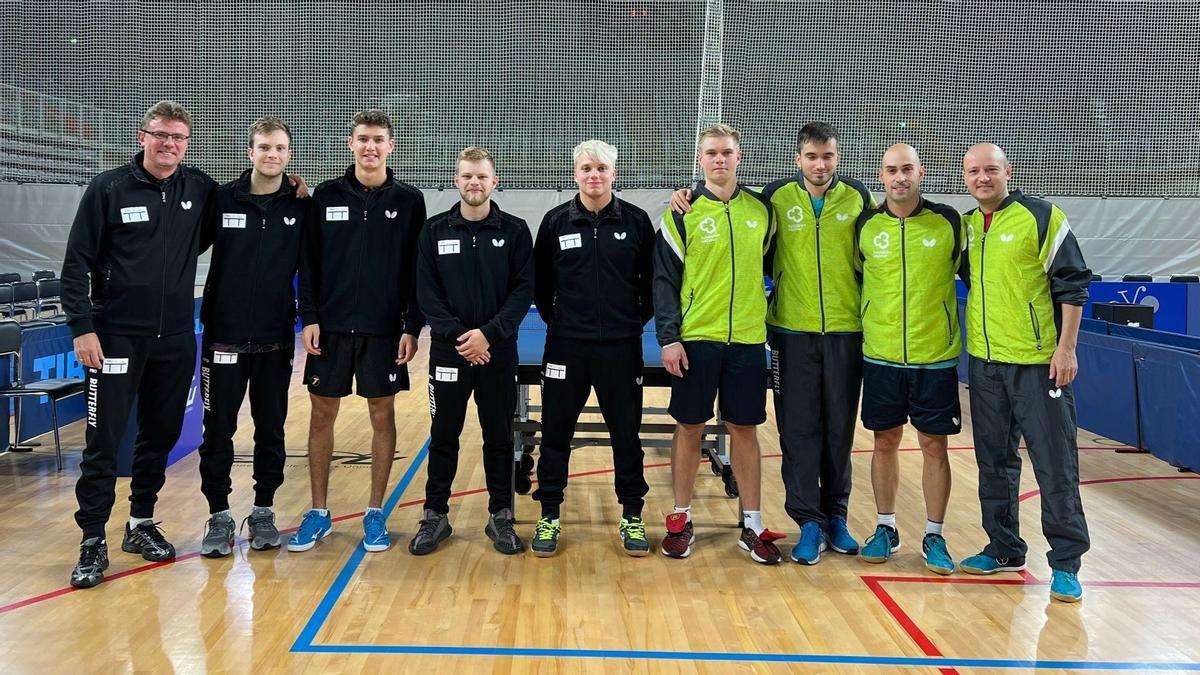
(475, 198)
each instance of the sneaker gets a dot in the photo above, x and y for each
(881, 545)
(433, 529)
(633, 536)
(680, 537)
(807, 551)
(500, 530)
(986, 564)
(218, 536)
(375, 534)
(147, 538)
(1065, 587)
(762, 547)
(937, 557)
(838, 536)
(313, 528)
(93, 560)
(545, 537)
(263, 533)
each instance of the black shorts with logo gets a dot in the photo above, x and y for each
(892, 395)
(367, 360)
(737, 372)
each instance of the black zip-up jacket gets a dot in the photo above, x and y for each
(478, 280)
(594, 275)
(249, 297)
(130, 263)
(358, 262)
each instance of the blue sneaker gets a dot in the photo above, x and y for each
(839, 537)
(1065, 587)
(937, 558)
(881, 545)
(375, 534)
(986, 564)
(807, 551)
(313, 528)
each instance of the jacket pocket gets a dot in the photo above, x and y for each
(774, 299)
(863, 315)
(949, 324)
(1037, 327)
(691, 299)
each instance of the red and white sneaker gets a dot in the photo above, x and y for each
(680, 537)
(762, 547)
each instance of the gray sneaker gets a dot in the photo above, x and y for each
(433, 529)
(218, 536)
(263, 533)
(500, 530)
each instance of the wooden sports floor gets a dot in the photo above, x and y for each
(468, 609)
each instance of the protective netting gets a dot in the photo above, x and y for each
(1090, 98)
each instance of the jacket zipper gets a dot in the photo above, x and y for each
(864, 310)
(162, 298)
(820, 267)
(987, 345)
(732, 272)
(904, 291)
(691, 299)
(949, 324)
(596, 275)
(1037, 328)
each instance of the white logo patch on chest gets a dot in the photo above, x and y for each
(233, 221)
(391, 214)
(619, 236)
(567, 242)
(289, 221)
(1006, 238)
(843, 217)
(448, 246)
(336, 213)
(187, 206)
(929, 243)
(498, 243)
(135, 214)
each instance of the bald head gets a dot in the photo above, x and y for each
(901, 173)
(899, 155)
(986, 172)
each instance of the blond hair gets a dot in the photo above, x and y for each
(475, 153)
(602, 151)
(265, 125)
(720, 130)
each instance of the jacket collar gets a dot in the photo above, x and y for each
(920, 207)
(492, 220)
(352, 180)
(241, 187)
(612, 211)
(139, 170)
(832, 182)
(702, 190)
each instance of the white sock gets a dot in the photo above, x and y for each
(686, 510)
(263, 509)
(932, 527)
(753, 520)
(373, 508)
(888, 519)
(134, 522)
(324, 513)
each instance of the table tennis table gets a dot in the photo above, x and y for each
(531, 341)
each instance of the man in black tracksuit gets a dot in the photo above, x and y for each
(127, 288)
(357, 300)
(475, 284)
(249, 315)
(593, 288)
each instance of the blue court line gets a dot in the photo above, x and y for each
(304, 642)
(838, 659)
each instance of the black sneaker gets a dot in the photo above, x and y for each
(633, 536)
(147, 538)
(93, 560)
(500, 530)
(545, 537)
(433, 529)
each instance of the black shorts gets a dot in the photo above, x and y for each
(928, 396)
(368, 360)
(737, 372)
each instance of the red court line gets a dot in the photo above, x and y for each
(906, 622)
(1098, 481)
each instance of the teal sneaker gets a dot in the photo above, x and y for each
(313, 528)
(633, 536)
(807, 551)
(881, 545)
(375, 534)
(545, 537)
(986, 564)
(1065, 587)
(937, 558)
(838, 536)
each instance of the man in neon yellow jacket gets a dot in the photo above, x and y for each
(909, 251)
(710, 315)
(1028, 285)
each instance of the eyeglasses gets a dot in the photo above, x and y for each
(164, 136)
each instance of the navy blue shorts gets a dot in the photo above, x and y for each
(738, 373)
(893, 395)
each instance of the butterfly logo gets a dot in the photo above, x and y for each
(929, 243)
(497, 243)
(619, 235)
(1055, 393)
(1006, 238)
(390, 214)
(752, 224)
(392, 377)
(187, 206)
(843, 217)
(289, 221)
